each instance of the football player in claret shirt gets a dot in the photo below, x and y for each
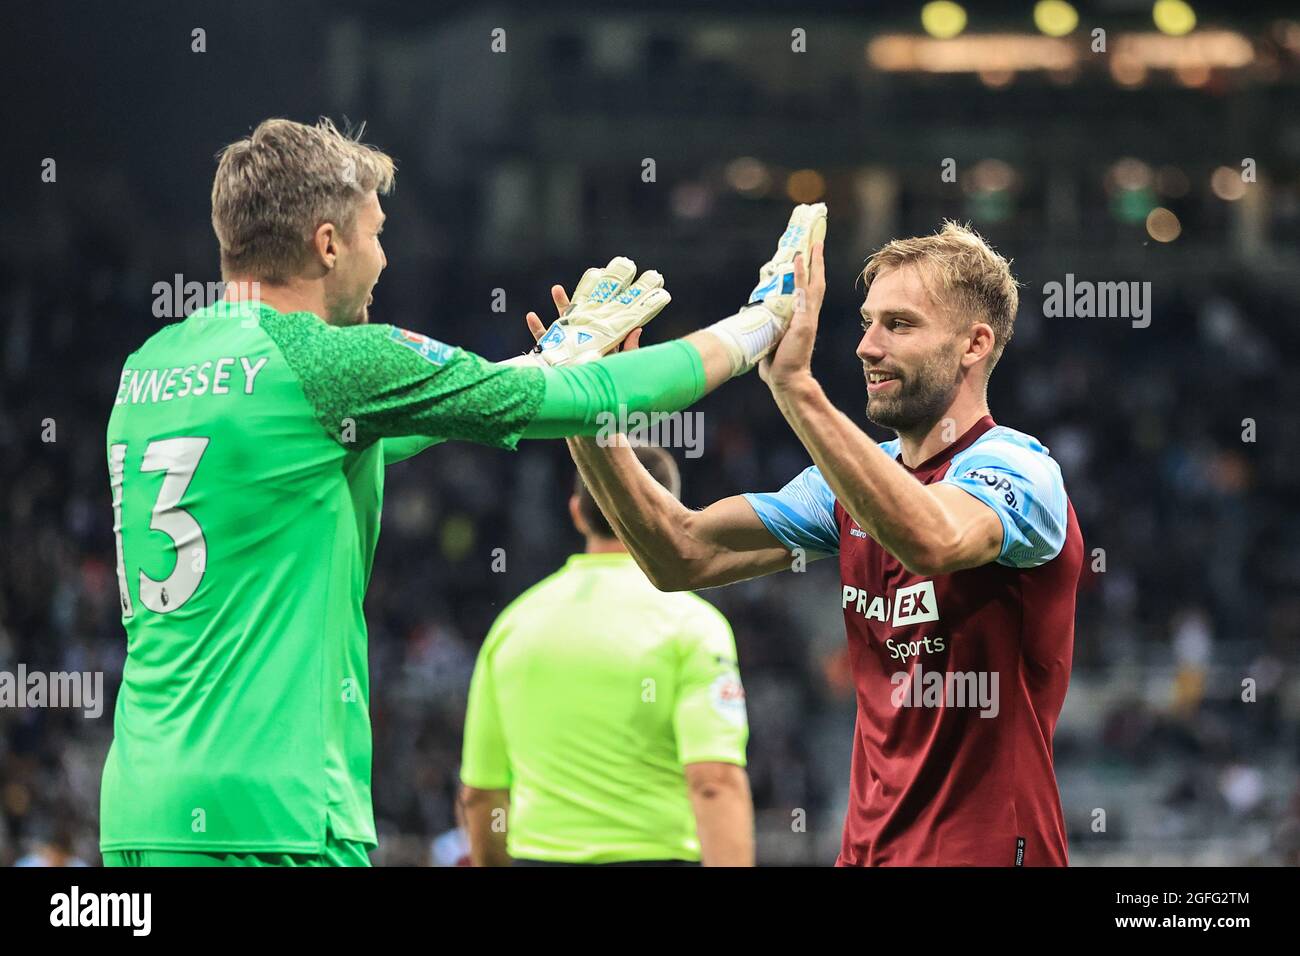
(959, 557)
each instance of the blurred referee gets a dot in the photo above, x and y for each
(606, 720)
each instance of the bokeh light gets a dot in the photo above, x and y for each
(1173, 17)
(943, 19)
(1163, 225)
(1227, 184)
(805, 185)
(1056, 18)
(748, 176)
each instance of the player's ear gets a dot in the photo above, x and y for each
(324, 242)
(575, 514)
(980, 344)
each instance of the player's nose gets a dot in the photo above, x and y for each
(869, 349)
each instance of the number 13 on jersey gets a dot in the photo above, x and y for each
(178, 458)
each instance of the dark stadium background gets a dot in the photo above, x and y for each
(522, 168)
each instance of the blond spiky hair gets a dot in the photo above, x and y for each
(974, 282)
(275, 187)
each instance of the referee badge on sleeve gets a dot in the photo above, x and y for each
(727, 695)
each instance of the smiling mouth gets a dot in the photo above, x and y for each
(877, 381)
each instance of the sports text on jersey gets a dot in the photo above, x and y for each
(914, 604)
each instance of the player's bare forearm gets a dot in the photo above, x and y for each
(929, 530)
(485, 822)
(643, 513)
(724, 813)
(678, 549)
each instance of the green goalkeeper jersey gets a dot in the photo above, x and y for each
(246, 452)
(591, 693)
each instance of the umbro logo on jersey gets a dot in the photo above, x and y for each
(914, 604)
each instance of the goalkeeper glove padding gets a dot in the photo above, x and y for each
(606, 307)
(752, 333)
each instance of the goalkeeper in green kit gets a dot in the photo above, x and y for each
(246, 453)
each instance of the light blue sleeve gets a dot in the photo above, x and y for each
(802, 514)
(1016, 477)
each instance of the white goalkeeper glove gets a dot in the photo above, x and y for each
(753, 332)
(606, 307)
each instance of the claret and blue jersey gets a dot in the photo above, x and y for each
(960, 677)
(1008, 470)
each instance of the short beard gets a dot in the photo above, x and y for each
(921, 400)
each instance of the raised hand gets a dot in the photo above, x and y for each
(752, 333)
(561, 298)
(606, 311)
(792, 356)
